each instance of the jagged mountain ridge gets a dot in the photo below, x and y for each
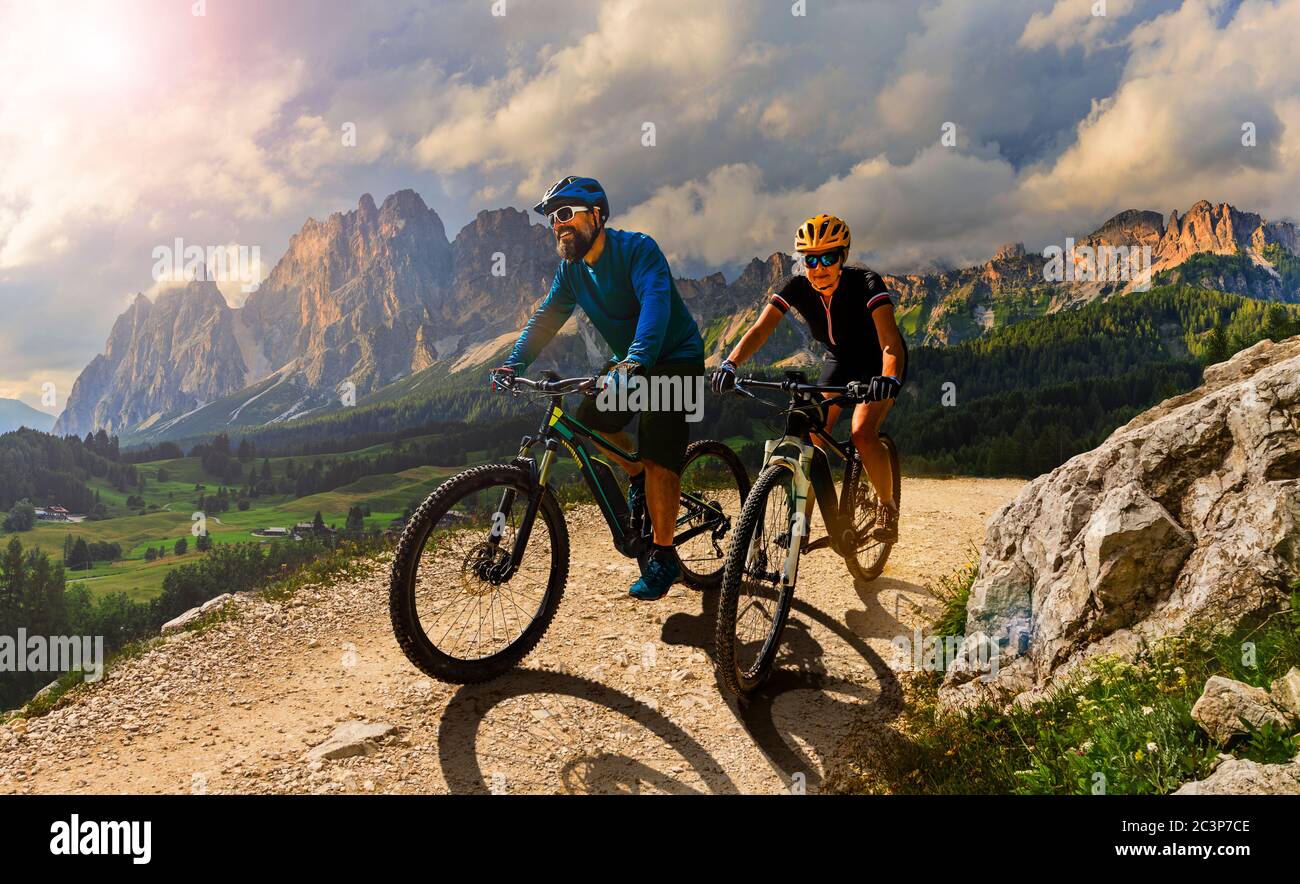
(379, 294)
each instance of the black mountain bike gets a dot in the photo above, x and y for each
(482, 563)
(763, 559)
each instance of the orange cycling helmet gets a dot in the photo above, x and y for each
(821, 233)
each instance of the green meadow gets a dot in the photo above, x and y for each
(170, 505)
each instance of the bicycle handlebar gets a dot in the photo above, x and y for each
(558, 385)
(790, 386)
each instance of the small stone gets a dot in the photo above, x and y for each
(352, 738)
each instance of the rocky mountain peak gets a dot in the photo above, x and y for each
(762, 275)
(1132, 227)
(503, 265)
(1220, 230)
(507, 223)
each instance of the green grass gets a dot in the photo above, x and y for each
(912, 320)
(1117, 727)
(140, 580)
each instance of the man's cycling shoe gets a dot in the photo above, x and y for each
(658, 576)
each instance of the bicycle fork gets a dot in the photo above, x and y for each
(502, 572)
(800, 506)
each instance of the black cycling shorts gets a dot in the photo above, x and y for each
(837, 373)
(662, 436)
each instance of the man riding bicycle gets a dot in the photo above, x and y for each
(623, 283)
(849, 311)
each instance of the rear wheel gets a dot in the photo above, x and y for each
(714, 486)
(860, 504)
(455, 614)
(753, 604)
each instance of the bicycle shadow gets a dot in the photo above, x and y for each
(819, 721)
(540, 737)
(875, 620)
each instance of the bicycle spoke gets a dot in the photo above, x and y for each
(760, 600)
(711, 499)
(462, 611)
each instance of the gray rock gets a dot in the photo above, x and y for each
(1237, 776)
(1189, 515)
(45, 691)
(215, 602)
(180, 622)
(351, 738)
(1225, 703)
(1285, 693)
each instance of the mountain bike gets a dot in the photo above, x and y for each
(482, 564)
(772, 533)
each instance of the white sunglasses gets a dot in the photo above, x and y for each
(565, 213)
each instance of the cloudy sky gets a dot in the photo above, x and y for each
(124, 125)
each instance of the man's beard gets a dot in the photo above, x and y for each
(574, 248)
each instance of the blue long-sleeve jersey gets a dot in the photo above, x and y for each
(629, 296)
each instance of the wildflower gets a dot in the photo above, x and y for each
(1087, 746)
(1152, 747)
(1137, 756)
(1147, 710)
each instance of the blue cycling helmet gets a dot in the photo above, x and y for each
(574, 189)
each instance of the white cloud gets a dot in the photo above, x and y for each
(1172, 132)
(1085, 23)
(943, 203)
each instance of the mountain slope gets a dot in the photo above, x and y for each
(163, 357)
(15, 414)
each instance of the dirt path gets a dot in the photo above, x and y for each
(619, 695)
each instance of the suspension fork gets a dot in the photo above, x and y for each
(800, 507)
(506, 570)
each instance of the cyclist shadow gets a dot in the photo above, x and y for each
(562, 739)
(819, 721)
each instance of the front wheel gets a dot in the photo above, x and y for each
(859, 505)
(462, 611)
(714, 486)
(754, 603)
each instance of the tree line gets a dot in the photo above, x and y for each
(48, 470)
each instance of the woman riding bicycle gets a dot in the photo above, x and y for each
(849, 311)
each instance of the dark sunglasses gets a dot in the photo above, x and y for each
(830, 259)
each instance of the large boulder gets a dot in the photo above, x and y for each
(1226, 707)
(1237, 776)
(1285, 692)
(1187, 515)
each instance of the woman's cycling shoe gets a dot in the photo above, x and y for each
(886, 530)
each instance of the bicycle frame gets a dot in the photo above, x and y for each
(812, 481)
(557, 430)
(560, 429)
